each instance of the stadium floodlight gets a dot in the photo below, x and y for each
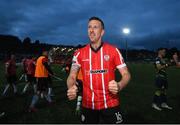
(126, 31)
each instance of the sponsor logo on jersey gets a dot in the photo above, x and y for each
(98, 71)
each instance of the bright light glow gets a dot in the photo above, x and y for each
(126, 31)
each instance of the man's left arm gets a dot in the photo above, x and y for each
(125, 78)
(115, 87)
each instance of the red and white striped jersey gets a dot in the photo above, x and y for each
(30, 67)
(98, 68)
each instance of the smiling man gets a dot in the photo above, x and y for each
(98, 61)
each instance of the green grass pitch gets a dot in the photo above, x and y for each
(136, 99)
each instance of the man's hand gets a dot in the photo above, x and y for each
(72, 92)
(113, 87)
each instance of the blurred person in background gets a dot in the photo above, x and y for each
(42, 71)
(10, 74)
(161, 81)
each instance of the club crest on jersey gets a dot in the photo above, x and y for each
(106, 57)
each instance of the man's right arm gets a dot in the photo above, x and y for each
(159, 65)
(71, 80)
(6, 67)
(72, 88)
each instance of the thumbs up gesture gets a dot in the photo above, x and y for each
(72, 92)
(113, 87)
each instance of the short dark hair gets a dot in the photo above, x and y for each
(159, 49)
(97, 18)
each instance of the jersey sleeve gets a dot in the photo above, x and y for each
(119, 61)
(76, 58)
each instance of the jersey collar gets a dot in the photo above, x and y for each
(96, 50)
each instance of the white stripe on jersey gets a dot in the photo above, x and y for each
(103, 86)
(91, 86)
(121, 60)
(77, 54)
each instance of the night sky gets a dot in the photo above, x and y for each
(153, 23)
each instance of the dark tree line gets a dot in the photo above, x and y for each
(12, 44)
